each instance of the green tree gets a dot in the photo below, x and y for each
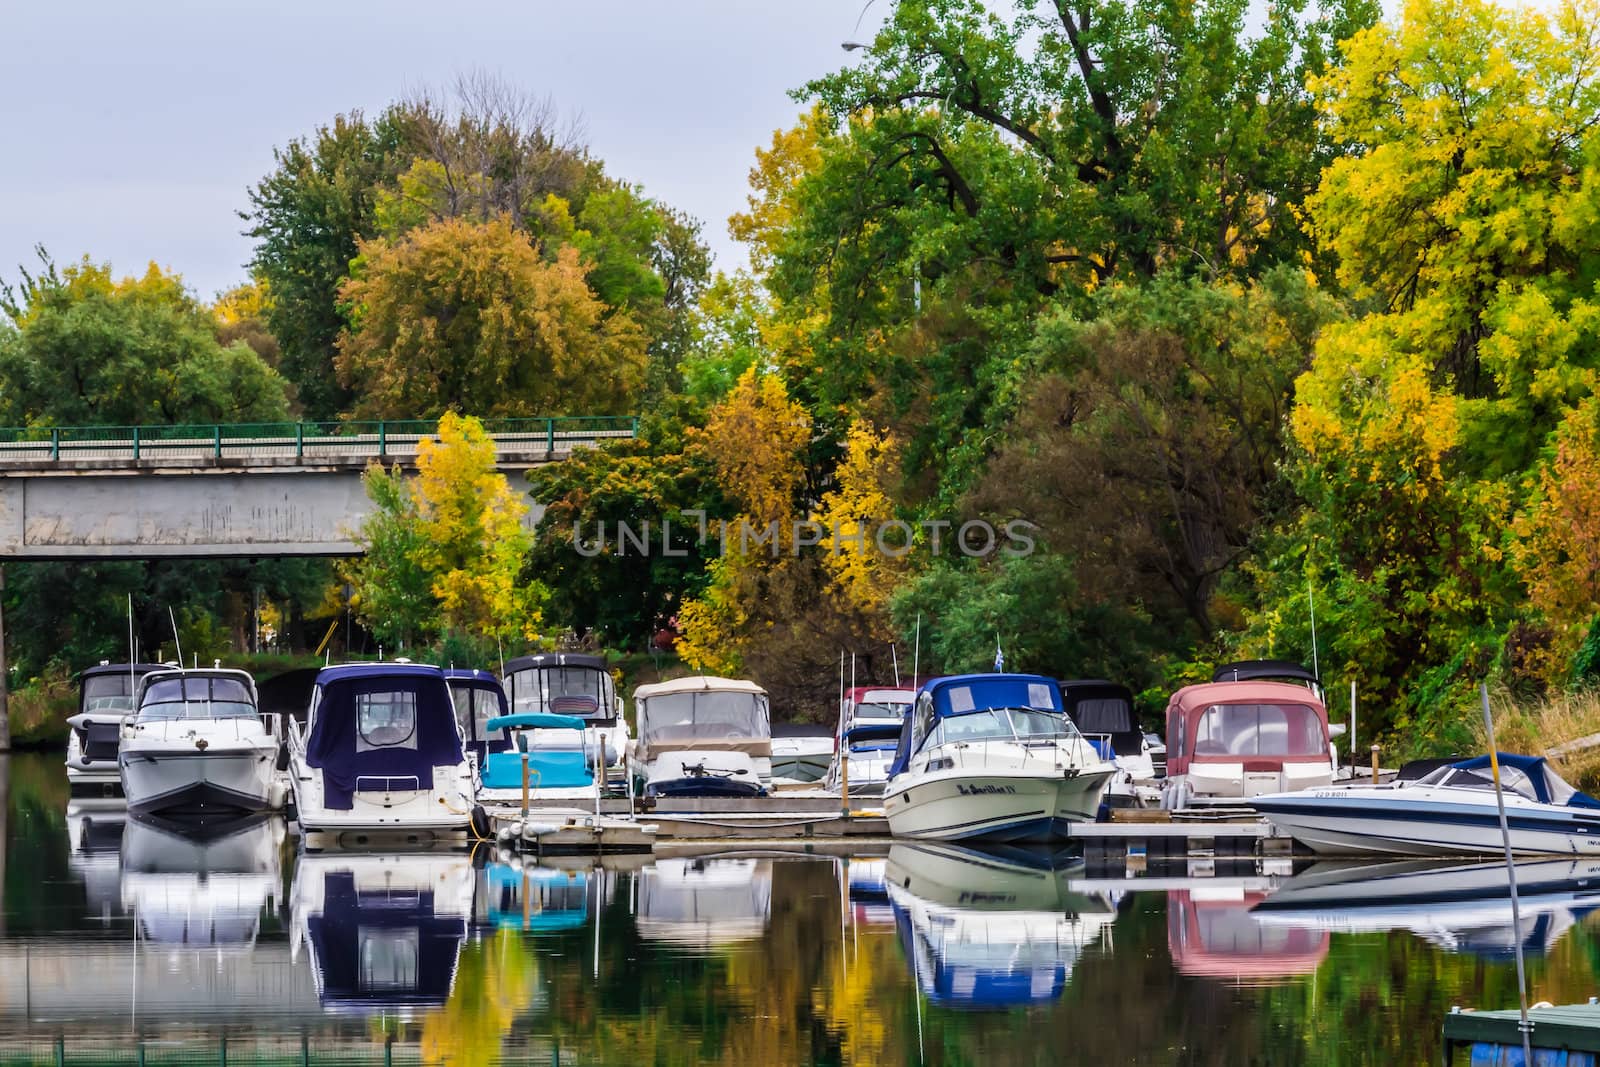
(307, 216)
(84, 348)
(468, 316)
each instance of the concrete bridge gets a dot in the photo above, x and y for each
(283, 489)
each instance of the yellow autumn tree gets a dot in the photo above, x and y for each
(754, 441)
(443, 552)
(864, 570)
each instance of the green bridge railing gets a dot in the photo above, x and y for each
(378, 437)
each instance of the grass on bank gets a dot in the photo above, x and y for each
(1552, 727)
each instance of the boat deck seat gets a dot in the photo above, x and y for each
(546, 770)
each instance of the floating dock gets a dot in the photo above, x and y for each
(1566, 1034)
(803, 816)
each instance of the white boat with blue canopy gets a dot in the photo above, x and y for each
(993, 757)
(554, 749)
(1448, 812)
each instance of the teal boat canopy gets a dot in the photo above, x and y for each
(535, 721)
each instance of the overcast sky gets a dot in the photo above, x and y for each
(131, 131)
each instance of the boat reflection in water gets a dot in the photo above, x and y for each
(384, 931)
(868, 892)
(201, 887)
(990, 929)
(703, 902)
(94, 853)
(533, 898)
(1458, 906)
(1213, 933)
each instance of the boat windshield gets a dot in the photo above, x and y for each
(581, 691)
(108, 692)
(474, 708)
(1456, 778)
(705, 716)
(1235, 730)
(1004, 724)
(882, 711)
(196, 698)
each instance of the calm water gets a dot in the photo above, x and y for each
(123, 941)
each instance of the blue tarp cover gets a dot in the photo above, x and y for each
(333, 744)
(1548, 786)
(546, 770)
(959, 694)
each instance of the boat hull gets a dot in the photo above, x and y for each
(995, 806)
(158, 781)
(1386, 824)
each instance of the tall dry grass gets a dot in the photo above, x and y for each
(1554, 727)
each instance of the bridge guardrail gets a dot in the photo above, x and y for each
(376, 439)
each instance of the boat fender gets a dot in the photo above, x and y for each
(479, 823)
(539, 829)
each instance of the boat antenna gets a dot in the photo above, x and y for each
(1511, 874)
(916, 651)
(1311, 601)
(852, 670)
(133, 652)
(841, 681)
(177, 644)
(501, 649)
(894, 657)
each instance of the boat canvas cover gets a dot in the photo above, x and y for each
(1290, 723)
(381, 720)
(1099, 707)
(1533, 777)
(703, 713)
(959, 694)
(561, 766)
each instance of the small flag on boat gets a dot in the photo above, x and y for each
(999, 658)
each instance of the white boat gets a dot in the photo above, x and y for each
(380, 752)
(702, 902)
(870, 721)
(570, 683)
(199, 746)
(553, 749)
(1449, 812)
(987, 930)
(801, 753)
(1103, 712)
(94, 853)
(992, 756)
(207, 891)
(384, 930)
(1460, 907)
(702, 737)
(478, 697)
(105, 701)
(1245, 734)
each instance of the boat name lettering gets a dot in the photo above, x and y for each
(984, 790)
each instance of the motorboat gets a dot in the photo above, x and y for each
(554, 750)
(189, 889)
(990, 930)
(384, 930)
(870, 720)
(1449, 812)
(478, 697)
(1460, 907)
(380, 751)
(1261, 727)
(1213, 932)
(701, 902)
(105, 700)
(575, 684)
(199, 746)
(1103, 712)
(801, 753)
(702, 737)
(994, 757)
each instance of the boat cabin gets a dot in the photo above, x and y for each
(1104, 711)
(478, 697)
(179, 694)
(562, 683)
(870, 718)
(1230, 740)
(972, 707)
(105, 696)
(380, 728)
